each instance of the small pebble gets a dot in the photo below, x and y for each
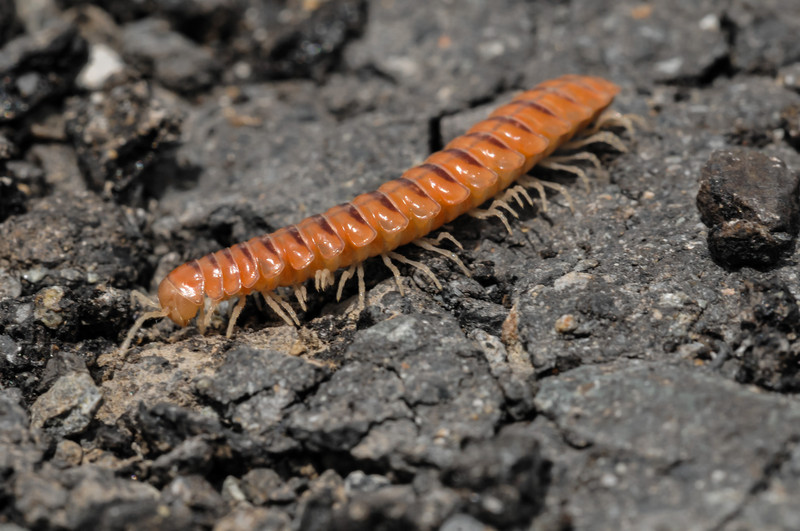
(566, 324)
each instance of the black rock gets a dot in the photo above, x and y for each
(749, 201)
(39, 67)
(311, 46)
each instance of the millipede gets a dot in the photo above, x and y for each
(494, 156)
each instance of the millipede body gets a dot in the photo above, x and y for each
(471, 169)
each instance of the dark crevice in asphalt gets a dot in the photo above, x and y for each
(721, 67)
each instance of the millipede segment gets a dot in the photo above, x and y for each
(494, 155)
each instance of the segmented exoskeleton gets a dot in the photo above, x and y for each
(492, 156)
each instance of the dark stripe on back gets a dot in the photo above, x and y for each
(414, 186)
(465, 156)
(580, 83)
(355, 214)
(536, 105)
(490, 138)
(513, 121)
(196, 266)
(213, 260)
(323, 222)
(557, 92)
(292, 229)
(438, 170)
(246, 252)
(385, 201)
(266, 241)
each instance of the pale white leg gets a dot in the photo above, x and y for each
(343, 279)
(519, 193)
(486, 214)
(444, 235)
(362, 288)
(201, 318)
(237, 311)
(322, 279)
(144, 300)
(612, 118)
(536, 184)
(575, 170)
(428, 245)
(301, 294)
(419, 265)
(208, 315)
(395, 272)
(136, 326)
(281, 308)
(602, 137)
(533, 181)
(576, 157)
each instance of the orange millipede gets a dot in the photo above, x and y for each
(494, 154)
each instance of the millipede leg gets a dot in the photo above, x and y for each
(301, 294)
(237, 311)
(207, 316)
(536, 183)
(201, 319)
(395, 272)
(428, 245)
(575, 170)
(323, 279)
(343, 279)
(419, 265)
(612, 118)
(491, 212)
(362, 288)
(144, 300)
(281, 308)
(444, 235)
(603, 137)
(502, 203)
(576, 157)
(136, 326)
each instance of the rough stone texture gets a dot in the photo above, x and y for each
(768, 346)
(35, 68)
(118, 135)
(169, 57)
(68, 407)
(597, 370)
(765, 35)
(750, 203)
(673, 446)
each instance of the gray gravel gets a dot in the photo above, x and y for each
(598, 369)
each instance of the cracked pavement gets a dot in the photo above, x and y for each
(597, 370)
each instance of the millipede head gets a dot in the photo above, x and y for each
(180, 298)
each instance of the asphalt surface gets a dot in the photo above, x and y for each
(599, 369)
